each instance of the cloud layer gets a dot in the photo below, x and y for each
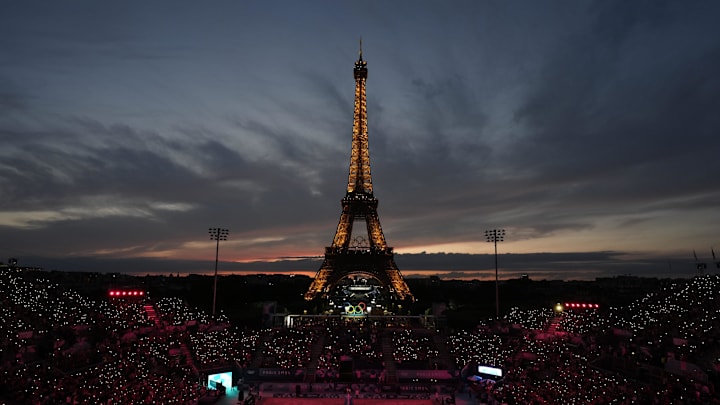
(128, 130)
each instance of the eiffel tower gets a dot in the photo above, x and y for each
(369, 254)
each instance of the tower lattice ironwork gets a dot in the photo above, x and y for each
(366, 254)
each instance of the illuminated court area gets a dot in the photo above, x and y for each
(280, 395)
(232, 399)
(328, 401)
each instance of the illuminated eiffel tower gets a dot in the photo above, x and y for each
(368, 254)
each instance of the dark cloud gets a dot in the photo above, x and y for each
(608, 105)
(613, 123)
(10, 101)
(127, 132)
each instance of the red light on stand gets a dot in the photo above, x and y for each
(581, 305)
(131, 293)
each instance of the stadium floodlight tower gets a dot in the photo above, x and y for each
(494, 236)
(217, 234)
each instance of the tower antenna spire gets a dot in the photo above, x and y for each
(360, 48)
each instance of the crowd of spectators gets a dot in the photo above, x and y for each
(288, 348)
(414, 349)
(350, 341)
(175, 312)
(214, 348)
(60, 347)
(663, 349)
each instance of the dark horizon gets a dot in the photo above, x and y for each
(447, 266)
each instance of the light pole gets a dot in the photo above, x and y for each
(217, 234)
(494, 236)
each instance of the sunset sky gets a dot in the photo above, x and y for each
(586, 129)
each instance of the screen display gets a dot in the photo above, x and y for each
(214, 380)
(490, 371)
